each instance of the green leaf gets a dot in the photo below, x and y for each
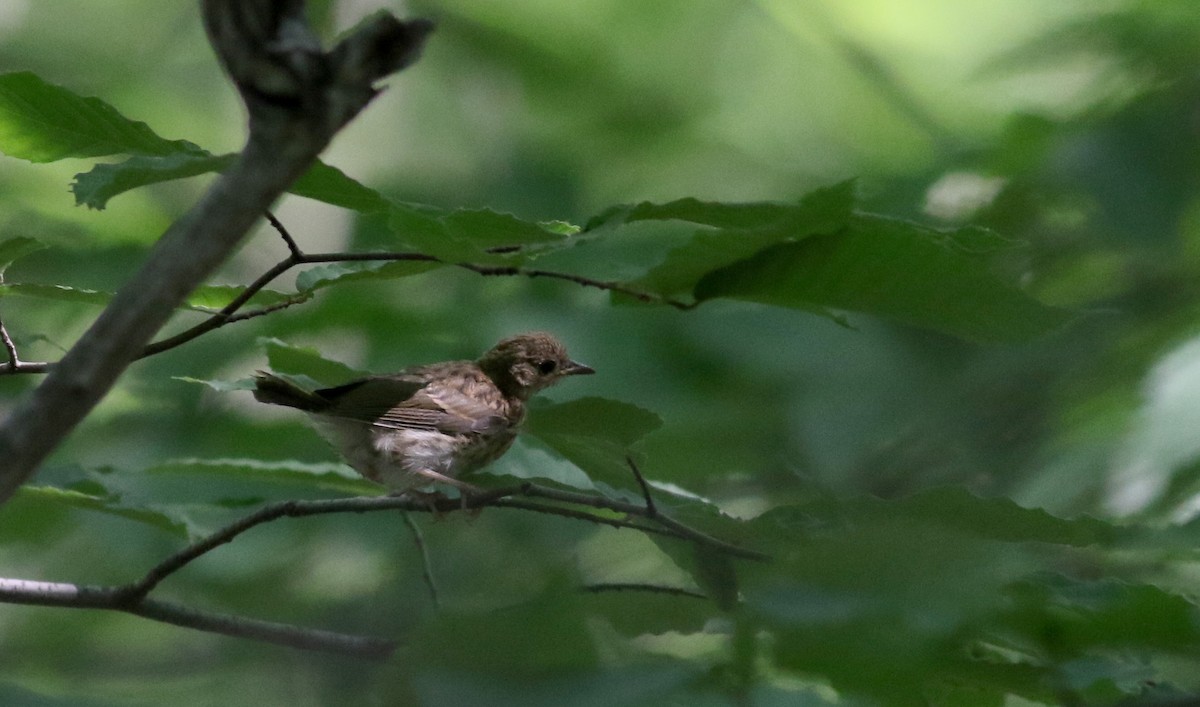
(55, 292)
(892, 269)
(352, 271)
(594, 434)
(552, 627)
(217, 297)
(104, 181)
(41, 122)
(13, 249)
(337, 478)
(307, 361)
(331, 186)
(207, 298)
(742, 230)
(103, 503)
(475, 235)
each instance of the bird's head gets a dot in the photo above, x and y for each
(524, 364)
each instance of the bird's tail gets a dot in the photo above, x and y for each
(272, 389)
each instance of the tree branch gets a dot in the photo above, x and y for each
(133, 597)
(73, 596)
(297, 97)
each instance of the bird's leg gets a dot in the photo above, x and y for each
(465, 490)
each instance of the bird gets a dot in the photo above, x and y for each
(431, 423)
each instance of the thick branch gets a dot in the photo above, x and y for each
(298, 98)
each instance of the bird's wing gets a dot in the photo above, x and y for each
(409, 403)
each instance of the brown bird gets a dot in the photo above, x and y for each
(436, 422)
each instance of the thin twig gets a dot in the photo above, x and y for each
(426, 564)
(639, 587)
(228, 314)
(651, 509)
(283, 233)
(14, 361)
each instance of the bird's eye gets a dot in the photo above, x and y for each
(547, 367)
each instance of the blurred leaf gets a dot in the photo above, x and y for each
(471, 235)
(594, 434)
(13, 249)
(716, 574)
(41, 122)
(104, 503)
(553, 632)
(892, 269)
(307, 361)
(1074, 616)
(660, 683)
(329, 274)
(104, 181)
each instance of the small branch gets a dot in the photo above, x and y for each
(426, 564)
(14, 361)
(651, 510)
(293, 249)
(639, 587)
(72, 596)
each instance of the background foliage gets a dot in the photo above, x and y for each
(972, 455)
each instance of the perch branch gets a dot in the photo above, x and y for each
(133, 597)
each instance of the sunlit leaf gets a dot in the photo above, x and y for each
(41, 122)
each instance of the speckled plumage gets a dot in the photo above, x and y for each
(436, 422)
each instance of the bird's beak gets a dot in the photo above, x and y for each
(574, 368)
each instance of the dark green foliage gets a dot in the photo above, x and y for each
(935, 485)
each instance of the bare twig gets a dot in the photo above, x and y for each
(426, 564)
(639, 587)
(14, 361)
(651, 510)
(283, 233)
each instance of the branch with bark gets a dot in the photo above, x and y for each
(133, 598)
(297, 96)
